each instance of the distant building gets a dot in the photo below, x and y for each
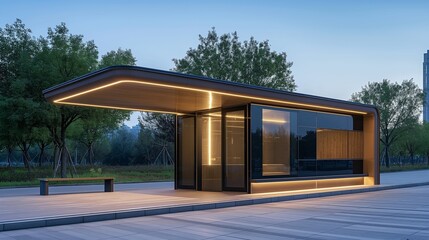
(426, 86)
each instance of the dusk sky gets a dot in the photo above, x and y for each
(336, 46)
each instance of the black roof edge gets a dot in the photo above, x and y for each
(178, 74)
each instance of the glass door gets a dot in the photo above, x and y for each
(211, 151)
(234, 145)
(185, 167)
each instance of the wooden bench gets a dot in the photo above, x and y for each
(44, 183)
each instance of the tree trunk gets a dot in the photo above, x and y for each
(386, 156)
(25, 157)
(54, 164)
(64, 156)
(42, 152)
(9, 156)
(89, 156)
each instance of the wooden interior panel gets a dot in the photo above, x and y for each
(339, 144)
(331, 144)
(355, 142)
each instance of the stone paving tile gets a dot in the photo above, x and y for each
(173, 235)
(391, 230)
(206, 230)
(6, 237)
(109, 230)
(363, 234)
(259, 236)
(225, 238)
(141, 237)
(86, 234)
(132, 228)
(331, 236)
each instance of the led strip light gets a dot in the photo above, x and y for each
(61, 100)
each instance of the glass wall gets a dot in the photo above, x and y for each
(186, 152)
(235, 150)
(302, 143)
(211, 152)
(275, 142)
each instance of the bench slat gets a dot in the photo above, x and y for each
(74, 179)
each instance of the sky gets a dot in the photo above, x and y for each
(336, 46)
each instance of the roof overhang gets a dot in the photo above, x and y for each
(144, 89)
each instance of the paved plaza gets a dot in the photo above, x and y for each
(401, 212)
(391, 214)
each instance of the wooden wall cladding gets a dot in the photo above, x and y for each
(339, 144)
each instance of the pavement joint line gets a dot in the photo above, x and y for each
(141, 212)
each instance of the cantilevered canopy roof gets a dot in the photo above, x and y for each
(144, 89)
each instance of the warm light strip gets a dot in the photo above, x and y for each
(206, 91)
(241, 117)
(120, 108)
(311, 189)
(227, 116)
(209, 129)
(274, 121)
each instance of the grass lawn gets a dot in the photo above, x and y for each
(404, 168)
(17, 176)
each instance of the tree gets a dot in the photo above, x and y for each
(226, 58)
(162, 125)
(19, 120)
(119, 57)
(27, 67)
(43, 139)
(101, 121)
(122, 146)
(92, 128)
(63, 56)
(17, 48)
(156, 135)
(19, 117)
(410, 142)
(399, 106)
(145, 149)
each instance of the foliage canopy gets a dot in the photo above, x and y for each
(399, 107)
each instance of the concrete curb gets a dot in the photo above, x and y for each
(103, 216)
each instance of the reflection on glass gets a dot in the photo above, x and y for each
(186, 163)
(339, 167)
(307, 168)
(275, 142)
(235, 149)
(211, 152)
(307, 119)
(334, 121)
(306, 143)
